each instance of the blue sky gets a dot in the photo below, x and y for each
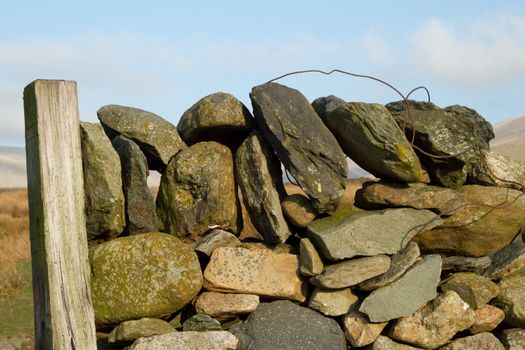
(163, 56)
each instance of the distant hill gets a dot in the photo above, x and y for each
(510, 138)
(12, 167)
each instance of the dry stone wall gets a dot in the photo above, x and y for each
(430, 254)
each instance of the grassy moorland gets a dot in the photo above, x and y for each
(16, 299)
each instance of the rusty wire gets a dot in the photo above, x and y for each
(408, 117)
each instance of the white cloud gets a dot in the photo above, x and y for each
(474, 54)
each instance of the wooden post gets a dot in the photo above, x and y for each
(64, 317)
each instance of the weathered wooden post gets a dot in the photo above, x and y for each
(64, 316)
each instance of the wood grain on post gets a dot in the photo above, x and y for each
(64, 317)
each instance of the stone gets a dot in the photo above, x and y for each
(498, 170)
(480, 341)
(478, 230)
(222, 305)
(255, 271)
(248, 229)
(322, 105)
(348, 234)
(383, 194)
(217, 117)
(486, 318)
(166, 269)
(351, 272)
(103, 194)
(311, 263)
(140, 207)
(436, 323)
(213, 340)
(474, 289)
(134, 329)
(333, 302)
(201, 323)
(385, 343)
(197, 191)
(298, 210)
(466, 263)
(508, 260)
(457, 132)
(260, 180)
(513, 339)
(370, 136)
(399, 264)
(157, 138)
(359, 331)
(215, 239)
(302, 142)
(284, 325)
(511, 299)
(405, 295)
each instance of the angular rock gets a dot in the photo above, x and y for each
(466, 263)
(486, 318)
(513, 339)
(217, 117)
(197, 191)
(223, 305)
(370, 136)
(399, 264)
(385, 343)
(311, 263)
(285, 325)
(333, 302)
(474, 289)
(508, 260)
(299, 210)
(351, 272)
(322, 105)
(167, 270)
(382, 194)
(455, 131)
(201, 323)
(215, 239)
(255, 271)
(498, 170)
(248, 229)
(478, 230)
(157, 138)
(348, 234)
(140, 207)
(435, 323)
(260, 181)
(135, 329)
(214, 340)
(302, 142)
(102, 184)
(481, 341)
(405, 295)
(359, 331)
(511, 299)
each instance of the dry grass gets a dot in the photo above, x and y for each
(14, 239)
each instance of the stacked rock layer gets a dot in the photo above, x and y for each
(429, 254)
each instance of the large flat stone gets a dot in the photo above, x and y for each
(255, 271)
(302, 142)
(348, 234)
(213, 340)
(158, 139)
(260, 180)
(405, 295)
(224, 305)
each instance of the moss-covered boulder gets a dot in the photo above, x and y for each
(146, 275)
(217, 117)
